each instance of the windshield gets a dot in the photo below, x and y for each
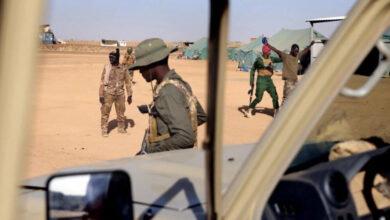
(72, 125)
(67, 116)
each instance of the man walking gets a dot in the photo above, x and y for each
(111, 90)
(264, 67)
(175, 112)
(290, 67)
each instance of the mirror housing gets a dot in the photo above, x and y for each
(89, 195)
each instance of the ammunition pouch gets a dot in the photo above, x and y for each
(268, 70)
(152, 136)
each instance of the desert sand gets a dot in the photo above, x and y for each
(65, 129)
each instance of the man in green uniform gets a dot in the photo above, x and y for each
(290, 67)
(264, 67)
(111, 91)
(175, 112)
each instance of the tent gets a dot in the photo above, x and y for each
(231, 52)
(246, 55)
(199, 49)
(283, 40)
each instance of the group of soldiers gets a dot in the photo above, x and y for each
(175, 112)
(264, 65)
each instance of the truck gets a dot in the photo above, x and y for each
(280, 177)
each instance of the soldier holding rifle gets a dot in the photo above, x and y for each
(264, 67)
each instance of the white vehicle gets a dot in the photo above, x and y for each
(122, 43)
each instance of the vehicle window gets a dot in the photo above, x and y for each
(77, 37)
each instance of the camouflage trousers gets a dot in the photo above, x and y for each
(120, 108)
(289, 86)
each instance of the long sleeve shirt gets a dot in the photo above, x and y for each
(172, 116)
(114, 85)
(259, 64)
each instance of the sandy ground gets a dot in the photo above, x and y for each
(66, 119)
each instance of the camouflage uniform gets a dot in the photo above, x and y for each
(128, 59)
(288, 87)
(111, 88)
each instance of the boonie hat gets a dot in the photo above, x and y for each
(150, 51)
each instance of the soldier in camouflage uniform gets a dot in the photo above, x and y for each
(129, 59)
(264, 67)
(290, 67)
(111, 90)
(175, 112)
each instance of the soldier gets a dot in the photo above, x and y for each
(290, 67)
(175, 112)
(129, 59)
(111, 90)
(264, 67)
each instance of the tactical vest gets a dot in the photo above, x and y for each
(152, 136)
(265, 71)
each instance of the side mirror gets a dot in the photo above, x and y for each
(92, 196)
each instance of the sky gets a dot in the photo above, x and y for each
(184, 20)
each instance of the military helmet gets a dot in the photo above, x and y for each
(129, 50)
(150, 51)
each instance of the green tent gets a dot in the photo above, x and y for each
(199, 48)
(231, 52)
(246, 54)
(283, 40)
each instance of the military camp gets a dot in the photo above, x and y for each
(246, 54)
(198, 50)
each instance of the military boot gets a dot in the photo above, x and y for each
(276, 110)
(248, 113)
(122, 131)
(104, 133)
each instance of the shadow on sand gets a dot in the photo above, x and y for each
(261, 110)
(114, 123)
